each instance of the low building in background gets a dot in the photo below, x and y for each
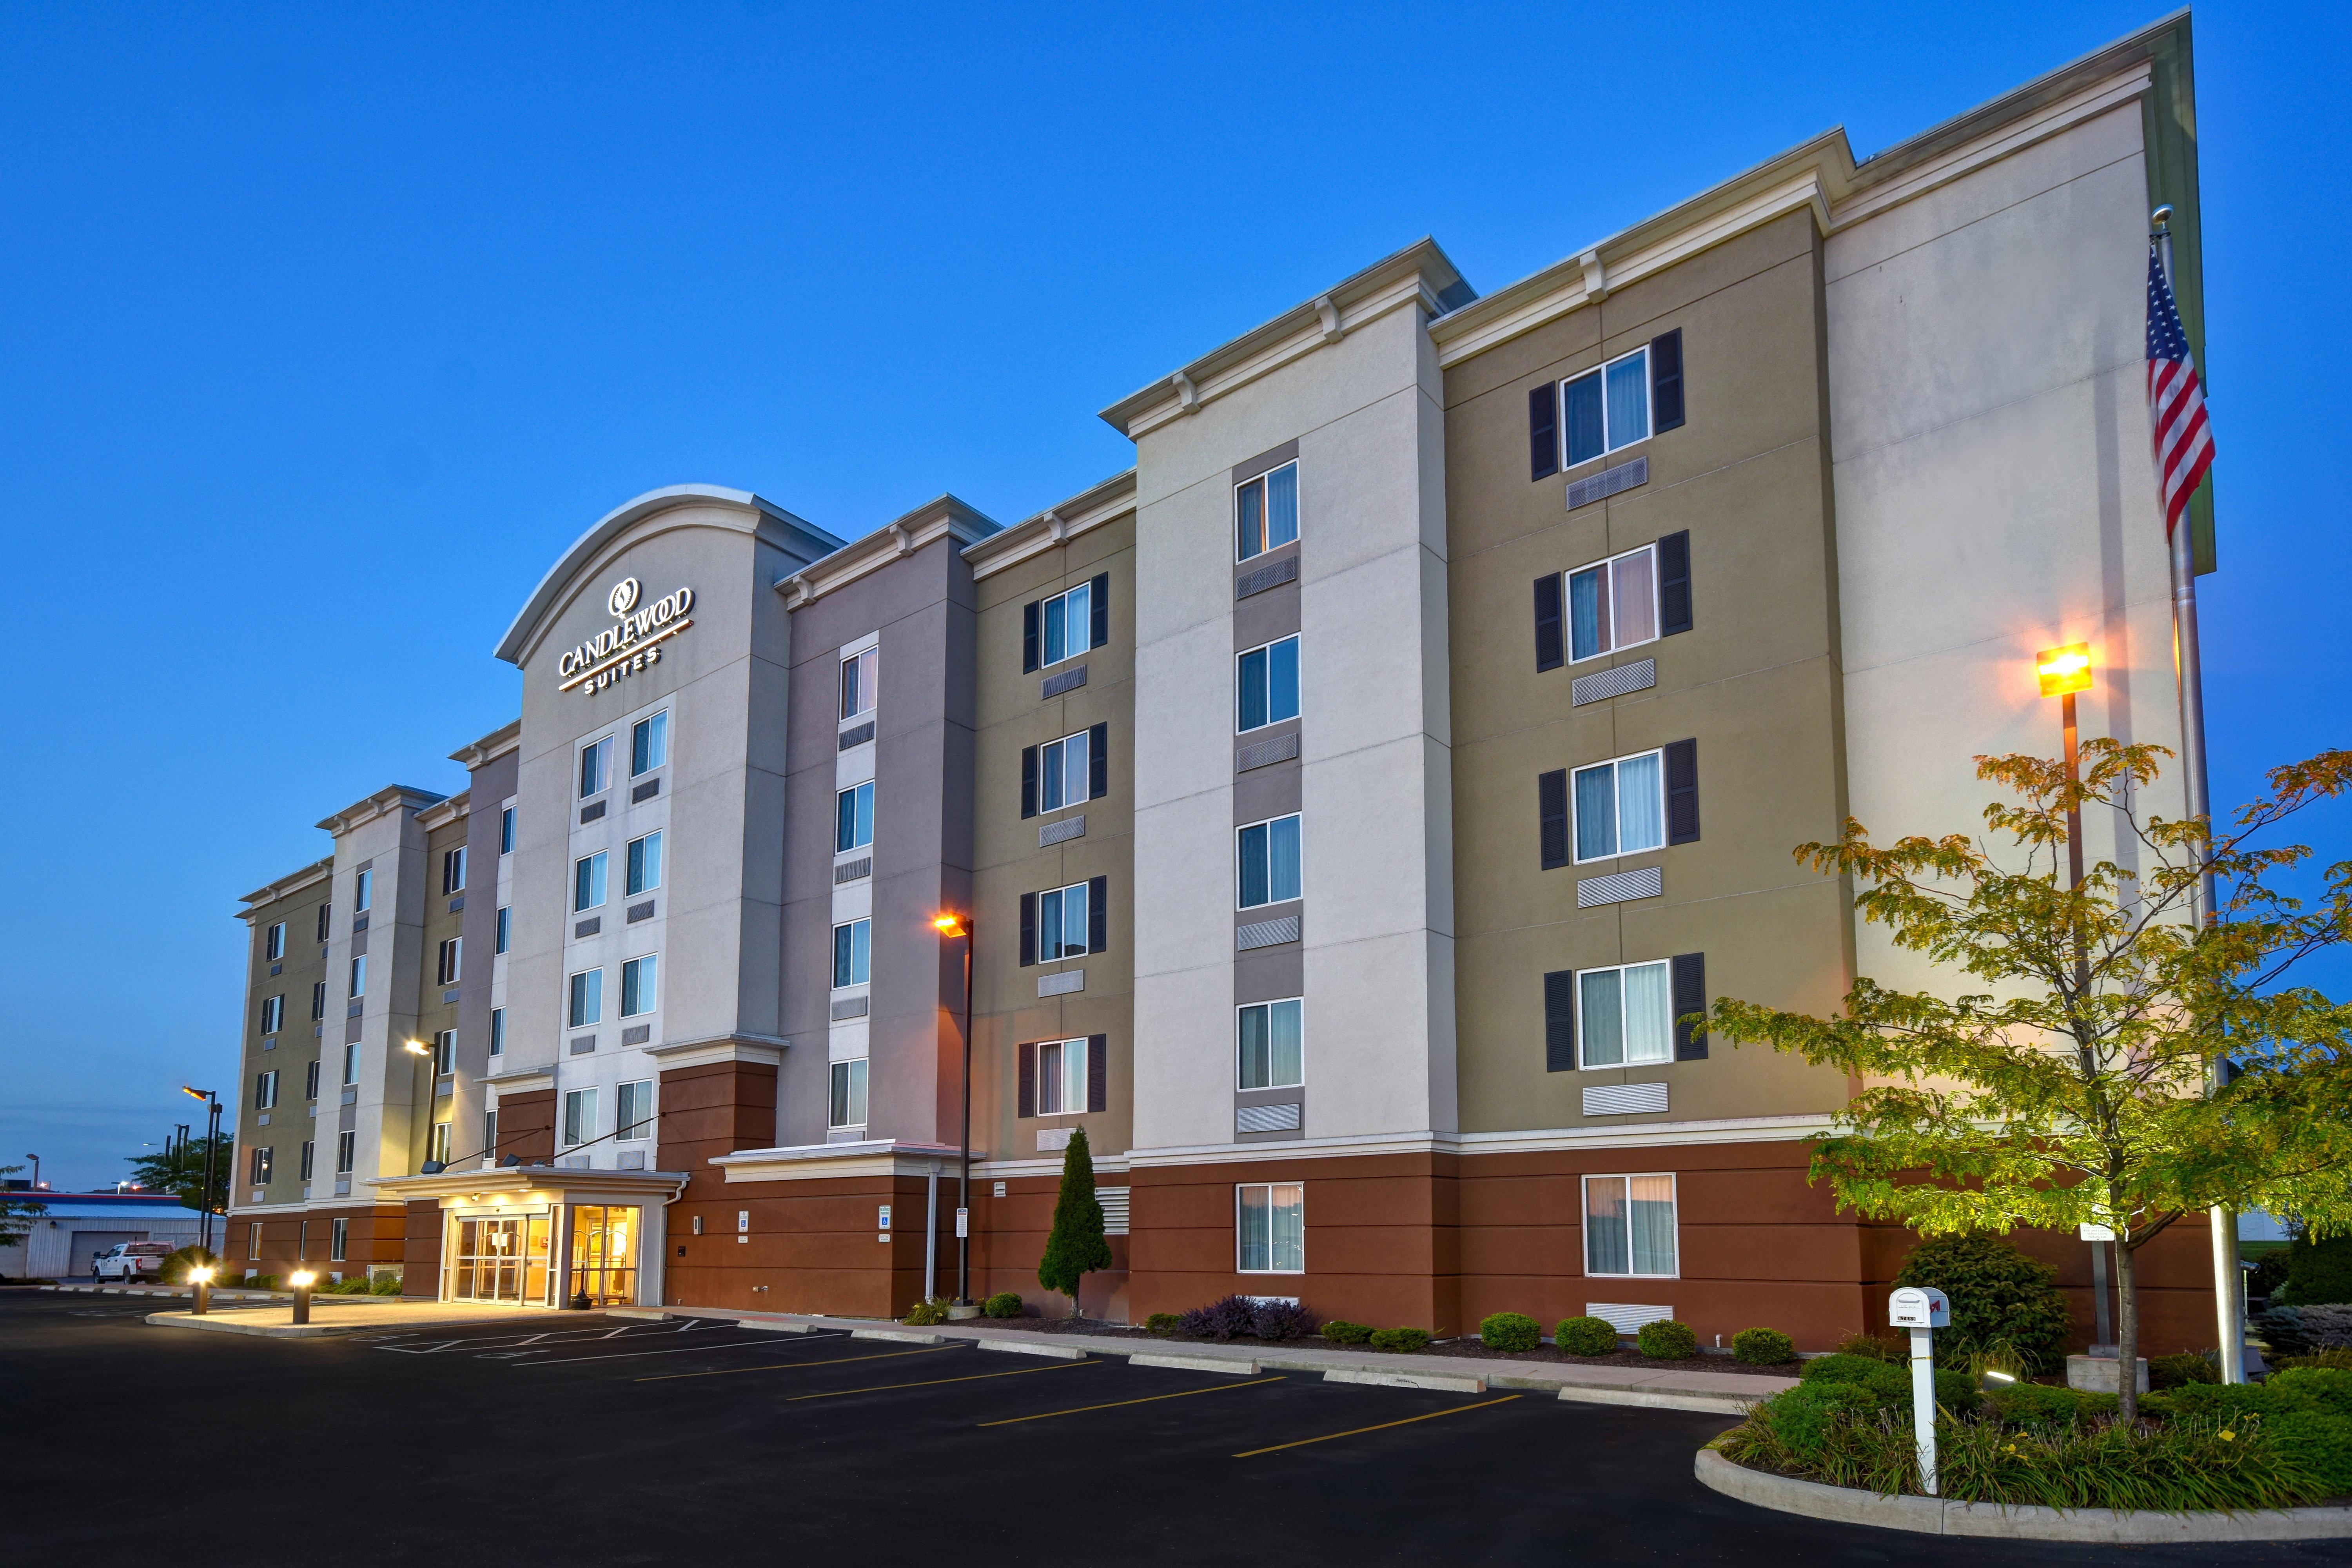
(70, 1229)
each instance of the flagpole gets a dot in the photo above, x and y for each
(2228, 1279)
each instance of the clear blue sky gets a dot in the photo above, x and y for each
(322, 332)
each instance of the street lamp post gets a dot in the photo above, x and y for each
(212, 1149)
(961, 925)
(36, 1170)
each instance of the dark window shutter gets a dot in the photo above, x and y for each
(1028, 931)
(1028, 781)
(1029, 636)
(1673, 583)
(1543, 431)
(1690, 996)
(1560, 1021)
(1097, 914)
(1551, 652)
(1551, 817)
(1666, 381)
(1098, 762)
(1099, 605)
(1097, 1072)
(1028, 1079)
(1681, 792)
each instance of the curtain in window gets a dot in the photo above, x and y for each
(1596, 812)
(1288, 1066)
(1581, 404)
(1282, 505)
(1640, 804)
(1282, 859)
(1604, 1226)
(1651, 1201)
(1629, 400)
(1249, 522)
(1602, 1002)
(1635, 597)
(1282, 680)
(1649, 1013)
(1255, 1226)
(1257, 1049)
(1588, 613)
(1289, 1238)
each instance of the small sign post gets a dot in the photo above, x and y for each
(1922, 1312)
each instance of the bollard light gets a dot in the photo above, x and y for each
(302, 1280)
(202, 1279)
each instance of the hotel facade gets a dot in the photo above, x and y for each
(1347, 802)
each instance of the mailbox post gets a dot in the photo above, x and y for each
(1922, 1312)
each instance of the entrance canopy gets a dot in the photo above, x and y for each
(547, 1236)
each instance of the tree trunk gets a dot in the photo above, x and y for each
(2126, 1332)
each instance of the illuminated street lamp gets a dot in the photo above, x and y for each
(302, 1280)
(949, 924)
(2063, 671)
(212, 1146)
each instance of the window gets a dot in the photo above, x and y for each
(636, 1109)
(1621, 806)
(640, 985)
(845, 1106)
(1269, 684)
(273, 943)
(1062, 923)
(346, 1152)
(362, 892)
(262, 1158)
(325, 911)
(253, 1239)
(644, 872)
(310, 1080)
(1614, 603)
(436, 1145)
(1269, 862)
(449, 961)
(579, 1115)
(1629, 1224)
(595, 767)
(505, 931)
(273, 1013)
(648, 744)
(853, 818)
(265, 1091)
(1061, 1078)
(491, 1134)
(1272, 1053)
(498, 1031)
(339, 1235)
(1065, 771)
(1270, 1228)
(1626, 1015)
(352, 1063)
(852, 946)
(860, 674)
(1265, 511)
(318, 1000)
(1067, 625)
(1608, 408)
(445, 1052)
(359, 976)
(453, 869)
(588, 883)
(506, 830)
(587, 998)
(309, 1158)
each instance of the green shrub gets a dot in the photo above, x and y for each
(1763, 1347)
(1877, 1347)
(2033, 1404)
(2173, 1371)
(2269, 1271)
(1400, 1339)
(2219, 1400)
(2323, 1388)
(1802, 1418)
(2317, 1271)
(1341, 1333)
(1667, 1339)
(2318, 1440)
(387, 1286)
(1510, 1331)
(1162, 1323)
(1997, 1295)
(1586, 1336)
(1004, 1304)
(2338, 1361)
(925, 1314)
(1956, 1394)
(1884, 1382)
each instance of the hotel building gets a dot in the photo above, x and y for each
(1346, 800)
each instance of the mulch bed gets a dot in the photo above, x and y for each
(1469, 1348)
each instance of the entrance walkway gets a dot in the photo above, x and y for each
(347, 1315)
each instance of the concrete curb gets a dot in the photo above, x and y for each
(1023, 1347)
(899, 1336)
(1935, 1516)
(1218, 1365)
(173, 1293)
(1382, 1377)
(212, 1323)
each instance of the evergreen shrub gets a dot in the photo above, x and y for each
(1162, 1323)
(1667, 1339)
(1341, 1333)
(2318, 1272)
(1763, 1347)
(1586, 1336)
(1400, 1339)
(1510, 1331)
(1004, 1304)
(1998, 1294)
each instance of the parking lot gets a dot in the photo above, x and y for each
(588, 1440)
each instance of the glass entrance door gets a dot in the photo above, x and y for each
(604, 1254)
(500, 1260)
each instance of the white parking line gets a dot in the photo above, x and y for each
(414, 1344)
(768, 1340)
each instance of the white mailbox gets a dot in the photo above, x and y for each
(1913, 1306)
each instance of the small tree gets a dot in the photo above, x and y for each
(16, 1215)
(180, 1168)
(1076, 1246)
(2074, 1088)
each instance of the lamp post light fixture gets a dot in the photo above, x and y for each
(302, 1280)
(212, 1148)
(36, 1170)
(949, 924)
(201, 1278)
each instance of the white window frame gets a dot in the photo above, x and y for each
(266, 1091)
(1265, 481)
(311, 1071)
(1617, 796)
(505, 930)
(1068, 1077)
(1607, 567)
(648, 966)
(867, 662)
(273, 943)
(1584, 1014)
(1084, 642)
(1061, 749)
(1584, 1221)
(347, 1152)
(855, 980)
(1297, 1002)
(498, 1031)
(309, 1158)
(453, 870)
(637, 1130)
(1240, 693)
(339, 1238)
(600, 881)
(656, 726)
(1062, 923)
(438, 1144)
(449, 961)
(1608, 444)
(634, 855)
(362, 891)
(445, 1052)
(273, 1013)
(581, 1112)
(592, 995)
(865, 787)
(506, 829)
(845, 1082)
(351, 1063)
(253, 1240)
(1269, 1188)
(601, 750)
(359, 976)
(1298, 898)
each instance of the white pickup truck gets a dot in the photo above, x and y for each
(131, 1260)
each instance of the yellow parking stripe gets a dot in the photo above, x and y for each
(1382, 1426)
(935, 1382)
(1115, 1404)
(788, 1365)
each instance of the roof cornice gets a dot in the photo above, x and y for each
(943, 516)
(1421, 273)
(1056, 526)
(507, 737)
(285, 886)
(443, 813)
(392, 797)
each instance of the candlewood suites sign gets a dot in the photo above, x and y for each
(631, 643)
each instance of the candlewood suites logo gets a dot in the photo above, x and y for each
(631, 643)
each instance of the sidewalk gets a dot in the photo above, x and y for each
(347, 1315)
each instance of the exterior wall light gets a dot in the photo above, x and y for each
(2064, 670)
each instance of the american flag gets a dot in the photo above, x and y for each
(2175, 401)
